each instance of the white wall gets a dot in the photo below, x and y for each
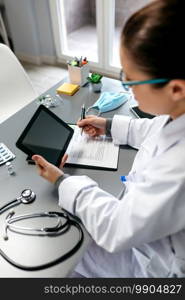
(124, 8)
(78, 13)
(31, 30)
(44, 26)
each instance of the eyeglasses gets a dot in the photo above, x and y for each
(128, 84)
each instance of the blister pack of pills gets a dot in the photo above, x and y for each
(5, 154)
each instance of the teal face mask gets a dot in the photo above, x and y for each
(109, 101)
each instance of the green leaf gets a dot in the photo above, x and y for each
(95, 78)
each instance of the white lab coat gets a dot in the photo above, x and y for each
(143, 234)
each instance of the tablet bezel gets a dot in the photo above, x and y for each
(29, 125)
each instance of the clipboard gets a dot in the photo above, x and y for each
(86, 152)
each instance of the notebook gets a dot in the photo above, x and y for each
(94, 153)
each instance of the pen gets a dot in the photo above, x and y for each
(82, 115)
(84, 61)
(80, 62)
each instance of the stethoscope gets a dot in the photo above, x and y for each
(49, 231)
(63, 224)
(27, 196)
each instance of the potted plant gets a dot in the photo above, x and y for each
(95, 80)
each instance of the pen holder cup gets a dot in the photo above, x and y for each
(78, 75)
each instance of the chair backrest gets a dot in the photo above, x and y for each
(16, 89)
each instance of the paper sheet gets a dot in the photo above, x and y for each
(88, 151)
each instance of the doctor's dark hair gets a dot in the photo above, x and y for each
(153, 37)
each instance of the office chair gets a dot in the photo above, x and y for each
(3, 31)
(16, 89)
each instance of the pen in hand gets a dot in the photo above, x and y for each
(82, 115)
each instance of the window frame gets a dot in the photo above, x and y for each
(105, 22)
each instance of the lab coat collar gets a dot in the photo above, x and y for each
(172, 132)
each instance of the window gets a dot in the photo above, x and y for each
(91, 28)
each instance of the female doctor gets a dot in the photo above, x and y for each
(143, 233)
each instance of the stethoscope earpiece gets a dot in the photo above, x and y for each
(5, 237)
(11, 213)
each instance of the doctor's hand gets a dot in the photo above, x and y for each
(93, 125)
(48, 170)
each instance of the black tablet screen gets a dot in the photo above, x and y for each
(47, 136)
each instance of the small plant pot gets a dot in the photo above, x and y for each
(96, 87)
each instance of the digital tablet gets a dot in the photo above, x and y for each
(47, 135)
(139, 113)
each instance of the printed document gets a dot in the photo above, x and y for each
(98, 152)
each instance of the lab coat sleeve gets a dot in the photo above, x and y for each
(132, 132)
(152, 209)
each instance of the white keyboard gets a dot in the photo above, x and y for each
(5, 154)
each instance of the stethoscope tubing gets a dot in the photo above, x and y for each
(55, 261)
(9, 205)
(44, 230)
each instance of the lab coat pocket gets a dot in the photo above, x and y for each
(149, 264)
(178, 267)
(178, 245)
(140, 263)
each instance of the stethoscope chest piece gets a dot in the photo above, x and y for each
(27, 196)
